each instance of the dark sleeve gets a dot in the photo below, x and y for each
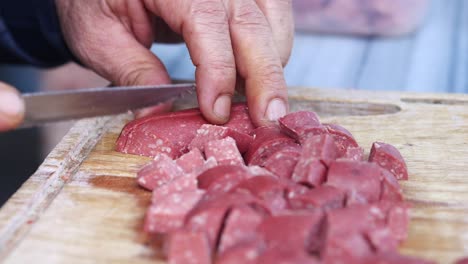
(30, 33)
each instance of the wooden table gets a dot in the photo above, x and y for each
(84, 206)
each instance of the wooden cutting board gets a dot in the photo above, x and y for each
(83, 205)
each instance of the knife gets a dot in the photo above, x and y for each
(46, 107)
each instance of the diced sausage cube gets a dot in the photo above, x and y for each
(224, 151)
(267, 141)
(239, 227)
(177, 185)
(245, 253)
(310, 172)
(343, 138)
(389, 158)
(360, 180)
(223, 178)
(287, 256)
(188, 247)
(294, 124)
(168, 214)
(268, 189)
(323, 197)
(209, 132)
(159, 172)
(295, 231)
(192, 161)
(283, 161)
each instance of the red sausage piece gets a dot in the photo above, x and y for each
(294, 231)
(222, 178)
(360, 180)
(239, 227)
(294, 124)
(286, 256)
(168, 214)
(322, 197)
(188, 247)
(208, 133)
(343, 138)
(191, 161)
(310, 172)
(245, 253)
(267, 141)
(167, 133)
(177, 185)
(159, 172)
(389, 158)
(224, 151)
(268, 189)
(282, 162)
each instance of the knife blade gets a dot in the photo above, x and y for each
(46, 107)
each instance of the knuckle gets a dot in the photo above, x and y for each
(207, 17)
(222, 68)
(133, 75)
(249, 16)
(270, 74)
(208, 10)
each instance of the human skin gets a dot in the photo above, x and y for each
(251, 39)
(11, 107)
(234, 44)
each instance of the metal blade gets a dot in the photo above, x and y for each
(48, 107)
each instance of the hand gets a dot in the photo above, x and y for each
(251, 39)
(11, 107)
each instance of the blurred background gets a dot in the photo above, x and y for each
(402, 45)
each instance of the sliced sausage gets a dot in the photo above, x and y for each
(267, 189)
(360, 180)
(239, 227)
(208, 132)
(159, 172)
(167, 133)
(224, 151)
(294, 124)
(168, 214)
(389, 158)
(322, 197)
(293, 231)
(222, 178)
(343, 138)
(191, 161)
(282, 162)
(188, 247)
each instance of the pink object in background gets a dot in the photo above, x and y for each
(360, 17)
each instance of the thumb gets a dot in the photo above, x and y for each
(11, 107)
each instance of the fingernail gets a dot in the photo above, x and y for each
(222, 106)
(11, 105)
(276, 109)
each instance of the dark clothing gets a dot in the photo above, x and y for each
(30, 33)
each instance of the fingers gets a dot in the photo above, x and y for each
(206, 32)
(205, 29)
(280, 17)
(11, 107)
(258, 62)
(100, 37)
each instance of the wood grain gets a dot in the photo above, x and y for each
(83, 205)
